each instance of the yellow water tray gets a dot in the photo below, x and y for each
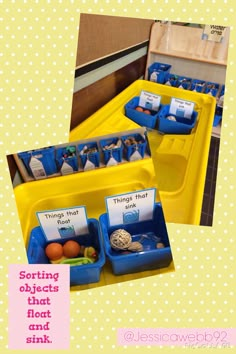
(90, 189)
(177, 168)
(180, 161)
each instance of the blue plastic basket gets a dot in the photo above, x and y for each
(161, 70)
(116, 152)
(82, 274)
(62, 156)
(148, 233)
(219, 108)
(218, 116)
(141, 118)
(46, 156)
(94, 157)
(180, 126)
(211, 88)
(184, 82)
(171, 80)
(198, 85)
(222, 91)
(129, 150)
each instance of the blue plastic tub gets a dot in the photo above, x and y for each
(184, 82)
(219, 107)
(211, 88)
(62, 156)
(222, 91)
(149, 233)
(94, 157)
(198, 85)
(47, 158)
(140, 147)
(158, 76)
(161, 70)
(141, 118)
(180, 126)
(116, 152)
(218, 116)
(171, 80)
(80, 274)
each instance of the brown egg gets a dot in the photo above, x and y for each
(71, 249)
(146, 111)
(54, 251)
(139, 109)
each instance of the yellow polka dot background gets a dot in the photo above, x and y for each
(37, 60)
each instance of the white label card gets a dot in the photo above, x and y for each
(63, 223)
(149, 101)
(214, 33)
(131, 207)
(181, 108)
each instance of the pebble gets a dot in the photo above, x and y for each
(160, 245)
(172, 118)
(135, 247)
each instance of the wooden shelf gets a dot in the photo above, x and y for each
(183, 55)
(186, 42)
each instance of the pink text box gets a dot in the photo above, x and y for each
(39, 306)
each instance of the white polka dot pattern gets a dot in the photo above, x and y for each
(38, 47)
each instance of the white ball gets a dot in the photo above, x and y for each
(120, 239)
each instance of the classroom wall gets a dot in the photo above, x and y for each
(111, 54)
(100, 36)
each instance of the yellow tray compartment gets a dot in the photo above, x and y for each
(180, 161)
(88, 188)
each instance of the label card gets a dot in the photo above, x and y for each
(131, 207)
(181, 108)
(214, 33)
(63, 223)
(149, 101)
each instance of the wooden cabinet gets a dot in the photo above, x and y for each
(189, 55)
